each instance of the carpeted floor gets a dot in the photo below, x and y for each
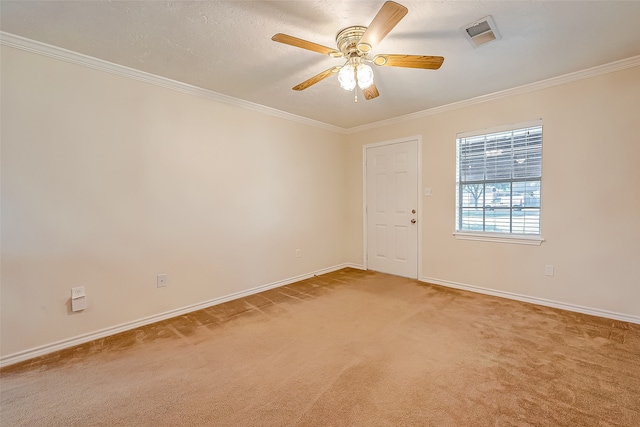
(350, 348)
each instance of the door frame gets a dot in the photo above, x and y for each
(418, 139)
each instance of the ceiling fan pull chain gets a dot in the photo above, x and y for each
(355, 89)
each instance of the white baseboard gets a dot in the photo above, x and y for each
(81, 339)
(338, 267)
(534, 300)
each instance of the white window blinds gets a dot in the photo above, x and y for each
(498, 180)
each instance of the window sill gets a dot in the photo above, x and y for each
(518, 239)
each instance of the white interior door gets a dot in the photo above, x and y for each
(392, 208)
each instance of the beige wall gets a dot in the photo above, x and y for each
(590, 195)
(108, 181)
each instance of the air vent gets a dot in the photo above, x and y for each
(481, 32)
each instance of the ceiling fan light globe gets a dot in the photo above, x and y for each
(365, 76)
(347, 77)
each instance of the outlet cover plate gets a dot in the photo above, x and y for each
(78, 292)
(162, 280)
(548, 270)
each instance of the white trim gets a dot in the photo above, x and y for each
(418, 139)
(520, 239)
(599, 70)
(497, 129)
(535, 300)
(44, 49)
(91, 336)
(33, 46)
(420, 211)
(365, 241)
(394, 141)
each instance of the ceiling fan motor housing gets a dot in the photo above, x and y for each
(347, 41)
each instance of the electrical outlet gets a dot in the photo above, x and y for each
(548, 270)
(162, 280)
(78, 299)
(297, 253)
(78, 292)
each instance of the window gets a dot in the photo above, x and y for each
(498, 182)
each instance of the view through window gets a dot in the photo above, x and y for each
(498, 181)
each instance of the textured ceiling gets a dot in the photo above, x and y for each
(226, 47)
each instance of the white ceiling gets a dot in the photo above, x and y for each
(226, 47)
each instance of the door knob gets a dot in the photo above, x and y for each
(413, 221)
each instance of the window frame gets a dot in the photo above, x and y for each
(501, 237)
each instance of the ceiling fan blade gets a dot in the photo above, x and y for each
(304, 44)
(370, 92)
(315, 79)
(388, 17)
(409, 61)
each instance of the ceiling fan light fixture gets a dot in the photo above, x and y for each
(347, 77)
(364, 75)
(354, 44)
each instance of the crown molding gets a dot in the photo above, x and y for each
(33, 46)
(599, 70)
(44, 49)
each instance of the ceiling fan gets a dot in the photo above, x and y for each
(355, 44)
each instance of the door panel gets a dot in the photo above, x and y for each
(381, 241)
(401, 243)
(392, 203)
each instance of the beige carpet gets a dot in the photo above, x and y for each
(350, 348)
